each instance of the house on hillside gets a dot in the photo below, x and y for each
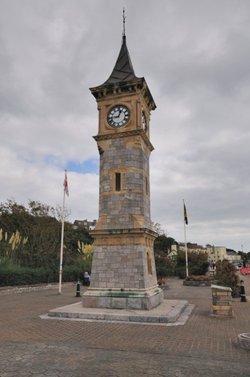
(88, 225)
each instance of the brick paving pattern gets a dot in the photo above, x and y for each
(204, 346)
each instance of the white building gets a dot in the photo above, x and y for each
(220, 253)
(214, 253)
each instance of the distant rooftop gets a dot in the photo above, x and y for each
(88, 225)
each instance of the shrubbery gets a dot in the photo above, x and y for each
(197, 264)
(14, 275)
(30, 238)
(175, 265)
(165, 267)
(226, 275)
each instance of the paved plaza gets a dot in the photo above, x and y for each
(202, 347)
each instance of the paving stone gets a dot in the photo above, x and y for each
(202, 346)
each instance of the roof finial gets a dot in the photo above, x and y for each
(124, 18)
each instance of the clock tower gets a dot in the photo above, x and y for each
(123, 271)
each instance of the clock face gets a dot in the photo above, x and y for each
(118, 116)
(144, 121)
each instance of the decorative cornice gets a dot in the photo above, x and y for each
(119, 135)
(125, 87)
(118, 232)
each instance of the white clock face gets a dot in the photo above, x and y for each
(118, 116)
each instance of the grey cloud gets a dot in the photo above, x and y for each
(195, 58)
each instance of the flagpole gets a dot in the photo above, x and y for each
(185, 236)
(65, 191)
(61, 249)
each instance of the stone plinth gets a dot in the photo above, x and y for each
(123, 259)
(123, 274)
(145, 299)
(222, 301)
(174, 312)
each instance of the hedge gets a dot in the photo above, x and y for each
(15, 275)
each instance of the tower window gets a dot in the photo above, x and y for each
(146, 185)
(149, 263)
(117, 181)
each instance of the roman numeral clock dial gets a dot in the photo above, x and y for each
(118, 116)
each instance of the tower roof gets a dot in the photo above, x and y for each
(123, 78)
(123, 69)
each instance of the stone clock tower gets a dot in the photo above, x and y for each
(123, 271)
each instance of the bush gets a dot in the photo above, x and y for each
(13, 275)
(16, 275)
(164, 271)
(181, 272)
(197, 264)
(226, 275)
(72, 273)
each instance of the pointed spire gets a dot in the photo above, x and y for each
(123, 77)
(124, 21)
(123, 69)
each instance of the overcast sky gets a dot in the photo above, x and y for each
(195, 56)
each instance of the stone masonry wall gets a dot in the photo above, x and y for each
(121, 267)
(130, 158)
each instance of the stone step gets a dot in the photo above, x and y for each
(168, 311)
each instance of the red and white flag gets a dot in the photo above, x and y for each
(65, 184)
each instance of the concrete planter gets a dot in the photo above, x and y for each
(244, 341)
(195, 283)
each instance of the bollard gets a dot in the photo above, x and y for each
(78, 289)
(242, 292)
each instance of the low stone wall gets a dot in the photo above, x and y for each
(33, 288)
(195, 283)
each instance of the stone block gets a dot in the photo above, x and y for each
(113, 317)
(118, 303)
(149, 319)
(93, 316)
(89, 302)
(221, 301)
(134, 303)
(104, 302)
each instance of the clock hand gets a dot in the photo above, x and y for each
(118, 116)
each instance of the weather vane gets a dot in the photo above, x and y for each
(124, 21)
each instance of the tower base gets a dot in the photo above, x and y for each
(141, 299)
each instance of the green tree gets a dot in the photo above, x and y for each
(165, 265)
(72, 238)
(197, 263)
(245, 257)
(163, 244)
(41, 230)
